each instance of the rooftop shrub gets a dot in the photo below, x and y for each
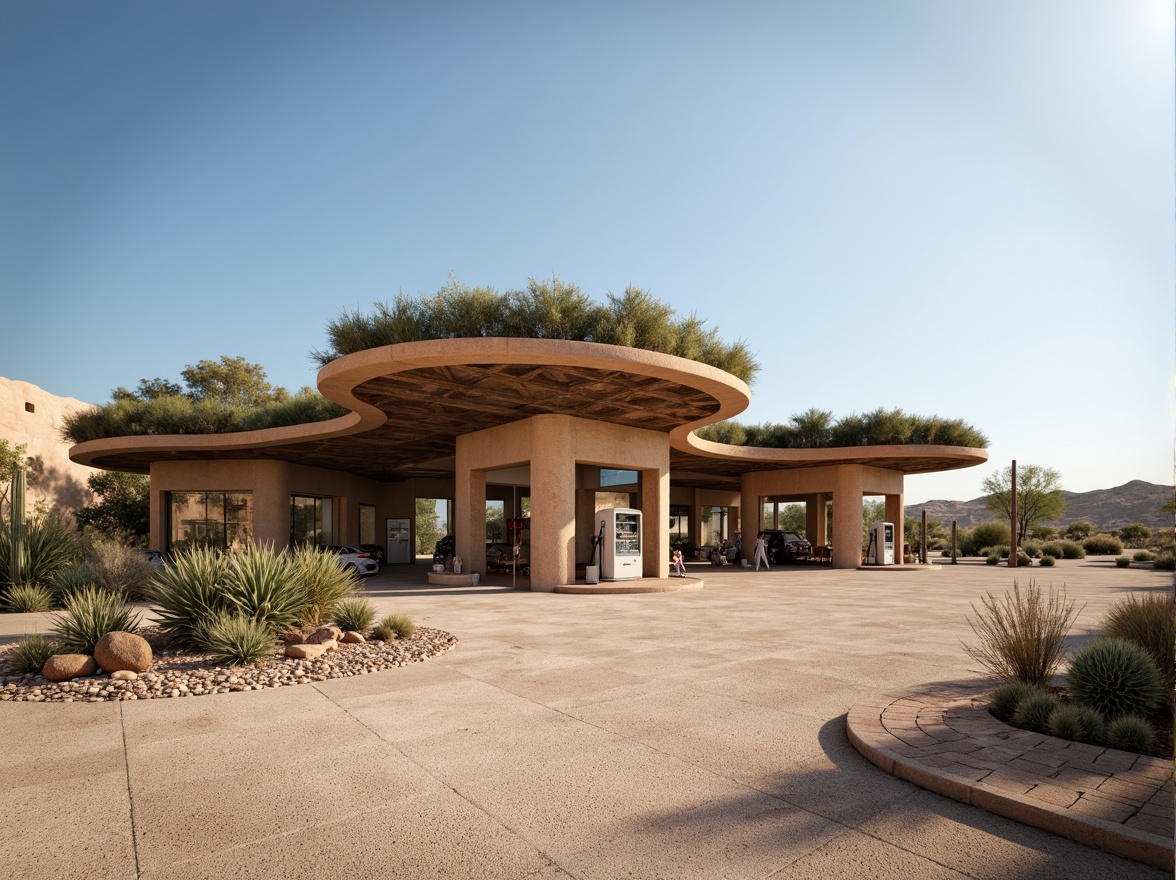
(817, 429)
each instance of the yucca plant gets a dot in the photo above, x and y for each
(1021, 635)
(90, 613)
(398, 626)
(29, 655)
(324, 583)
(50, 545)
(260, 584)
(1115, 677)
(354, 613)
(26, 598)
(190, 590)
(236, 640)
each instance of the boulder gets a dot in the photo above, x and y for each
(124, 675)
(305, 652)
(330, 645)
(63, 667)
(123, 650)
(353, 638)
(323, 633)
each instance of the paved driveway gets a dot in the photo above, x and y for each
(666, 735)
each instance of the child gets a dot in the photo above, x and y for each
(679, 567)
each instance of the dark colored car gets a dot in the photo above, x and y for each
(375, 551)
(784, 546)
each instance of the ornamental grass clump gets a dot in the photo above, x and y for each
(1146, 621)
(29, 656)
(354, 613)
(1034, 711)
(1047, 560)
(189, 591)
(1143, 556)
(1072, 550)
(78, 574)
(398, 626)
(1115, 678)
(1003, 701)
(27, 598)
(121, 569)
(324, 583)
(1076, 723)
(236, 640)
(1130, 733)
(993, 558)
(1021, 634)
(1122, 561)
(90, 614)
(1053, 549)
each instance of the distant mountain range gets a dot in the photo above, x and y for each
(1134, 502)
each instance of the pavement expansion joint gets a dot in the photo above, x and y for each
(947, 742)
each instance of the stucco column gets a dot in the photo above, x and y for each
(469, 515)
(894, 514)
(847, 518)
(553, 504)
(820, 534)
(812, 520)
(752, 511)
(655, 517)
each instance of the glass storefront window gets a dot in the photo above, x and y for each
(217, 520)
(367, 524)
(310, 520)
(714, 524)
(679, 524)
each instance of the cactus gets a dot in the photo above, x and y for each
(18, 559)
(1116, 678)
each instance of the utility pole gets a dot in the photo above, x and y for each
(1013, 530)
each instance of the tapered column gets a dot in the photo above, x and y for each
(894, 514)
(469, 528)
(655, 513)
(553, 504)
(847, 518)
(820, 535)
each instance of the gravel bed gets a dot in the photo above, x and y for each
(177, 673)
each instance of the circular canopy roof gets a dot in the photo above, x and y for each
(411, 401)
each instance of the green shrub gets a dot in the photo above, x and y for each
(1143, 556)
(260, 584)
(989, 534)
(394, 626)
(1165, 562)
(90, 614)
(1030, 549)
(1021, 635)
(190, 590)
(324, 583)
(1048, 561)
(30, 655)
(1002, 550)
(1003, 701)
(1034, 711)
(1077, 723)
(1091, 725)
(78, 574)
(993, 558)
(50, 546)
(1147, 622)
(235, 640)
(1023, 560)
(1130, 733)
(1115, 678)
(1079, 530)
(354, 613)
(1072, 550)
(1135, 535)
(1122, 561)
(26, 598)
(121, 569)
(1054, 549)
(1102, 544)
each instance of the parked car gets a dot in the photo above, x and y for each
(784, 546)
(157, 558)
(357, 560)
(375, 551)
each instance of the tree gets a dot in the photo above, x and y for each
(1076, 531)
(1135, 535)
(1039, 496)
(937, 535)
(122, 509)
(148, 389)
(231, 380)
(428, 532)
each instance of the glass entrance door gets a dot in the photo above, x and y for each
(399, 549)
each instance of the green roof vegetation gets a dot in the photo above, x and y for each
(817, 429)
(543, 310)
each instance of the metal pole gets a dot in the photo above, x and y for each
(514, 560)
(953, 542)
(1013, 511)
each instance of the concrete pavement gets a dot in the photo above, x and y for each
(696, 734)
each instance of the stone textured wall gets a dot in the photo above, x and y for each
(34, 417)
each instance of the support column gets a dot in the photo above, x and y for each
(894, 514)
(655, 513)
(822, 530)
(752, 511)
(553, 504)
(469, 526)
(847, 518)
(812, 520)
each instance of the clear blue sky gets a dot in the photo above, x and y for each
(956, 208)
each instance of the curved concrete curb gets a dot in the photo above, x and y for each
(644, 585)
(947, 742)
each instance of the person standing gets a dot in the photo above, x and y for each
(761, 552)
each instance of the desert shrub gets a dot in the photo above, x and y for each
(1143, 556)
(1079, 530)
(1043, 533)
(78, 574)
(235, 640)
(26, 598)
(354, 613)
(1030, 549)
(1054, 549)
(1001, 550)
(50, 545)
(1122, 561)
(1003, 701)
(1102, 544)
(1135, 535)
(988, 534)
(30, 655)
(1130, 733)
(1078, 723)
(324, 583)
(1048, 561)
(190, 590)
(121, 569)
(1147, 622)
(394, 626)
(1072, 550)
(1021, 634)
(90, 614)
(1115, 678)
(993, 558)
(1165, 562)
(1034, 711)
(260, 584)
(1023, 560)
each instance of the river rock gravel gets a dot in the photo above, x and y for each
(177, 673)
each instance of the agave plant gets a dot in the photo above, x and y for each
(324, 583)
(261, 584)
(189, 591)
